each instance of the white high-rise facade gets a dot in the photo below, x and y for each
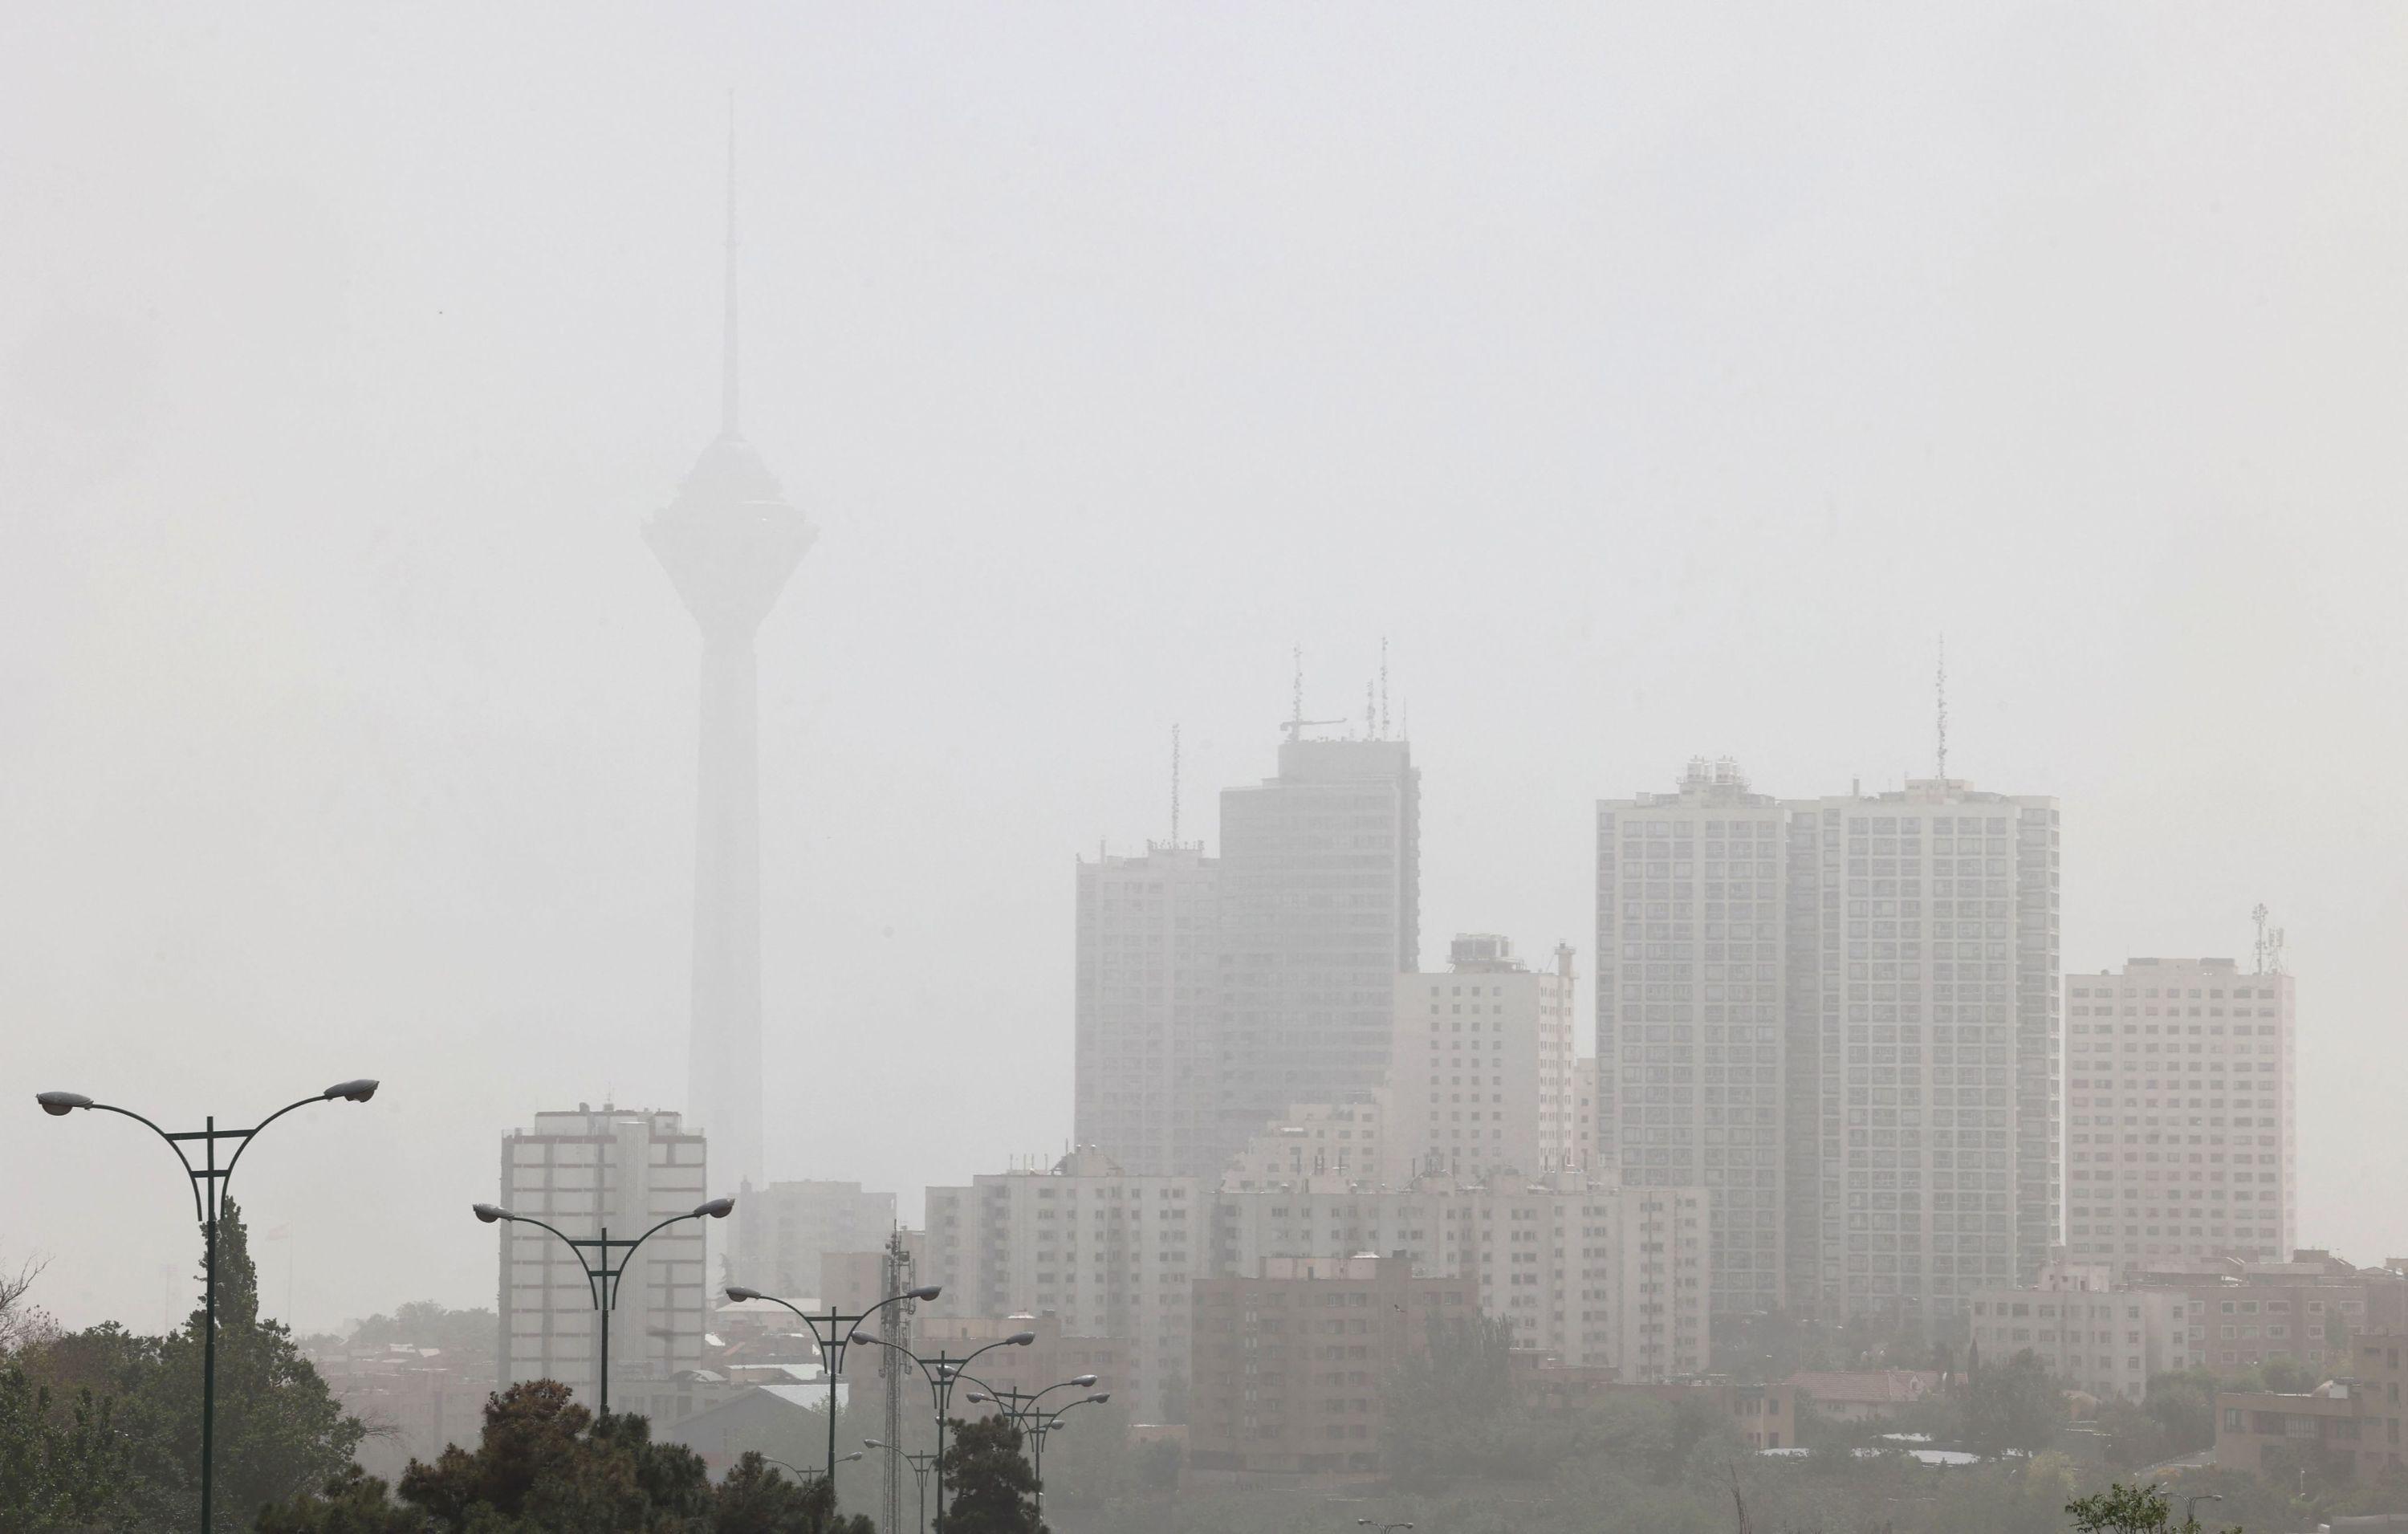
(619, 1170)
(1148, 1006)
(1840, 1016)
(1481, 1079)
(2181, 1120)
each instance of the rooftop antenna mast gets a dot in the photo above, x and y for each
(1942, 689)
(1297, 723)
(1174, 786)
(2258, 914)
(1384, 687)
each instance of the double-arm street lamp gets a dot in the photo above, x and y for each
(943, 1373)
(840, 1328)
(602, 1276)
(208, 1182)
(921, 1462)
(806, 1477)
(1384, 1528)
(1022, 1407)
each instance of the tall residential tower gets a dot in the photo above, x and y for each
(1147, 999)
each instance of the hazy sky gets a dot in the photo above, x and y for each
(1659, 380)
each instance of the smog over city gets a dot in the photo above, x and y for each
(1563, 768)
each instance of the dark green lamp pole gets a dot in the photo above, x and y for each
(832, 1346)
(1022, 1407)
(209, 1199)
(944, 1374)
(602, 1281)
(921, 1463)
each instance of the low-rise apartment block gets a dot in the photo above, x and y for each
(2351, 1420)
(2105, 1339)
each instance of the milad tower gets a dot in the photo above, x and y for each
(729, 541)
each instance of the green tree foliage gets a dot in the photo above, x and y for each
(545, 1465)
(2129, 1509)
(2013, 1406)
(423, 1324)
(990, 1488)
(61, 1466)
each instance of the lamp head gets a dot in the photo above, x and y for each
(717, 1209)
(60, 1104)
(926, 1291)
(1083, 1381)
(358, 1091)
(978, 1396)
(490, 1212)
(739, 1293)
(871, 1444)
(850, 1458)
(1021, 1339)
(859, 1336)
(1100, 1396)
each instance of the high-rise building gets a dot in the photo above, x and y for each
(2180, 1120)
(788, 1227)
(590, 1173)
(1312, 1140)
(1924, 943)
(1840, 1016)
(1148, 1000)
(1482, 1075)
(1320, 910)
(1108, 1253)
(729, 541)
(1690, 904)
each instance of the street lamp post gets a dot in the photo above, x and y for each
(943, 1373)
(1384, 1528)
(921, 1462)
(803, 1475)
(832, 1346)
(2190, 1505)
(1022, 1407)
(208, 1182)
(602, 1283)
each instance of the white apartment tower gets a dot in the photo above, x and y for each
(1483, 1073)
(788, 1226)
(1108, 1253)
(2180, 1121)
(1147, 1008)
(619, 1170)
(1840, 1016)
(1690, 892)
(1320, 910)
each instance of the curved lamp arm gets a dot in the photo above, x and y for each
(358, 1091)
(64, 1102)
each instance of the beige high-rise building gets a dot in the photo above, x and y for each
(615, 1168)
(1842, 1016)
(2179, 1123)
(1148, 1008)
(1482, 1077)
(1110, 1254)
(788, 1227)
(1589, 1274)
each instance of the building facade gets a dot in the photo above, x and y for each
(2106, 1339)
(2181, 1124)
(1350, 1141)
(1294, 1360)
(788, 1226)
(1112, 1254)
(2305, 1309)
(617, 1169)
(1320, 910)
(1840, 1016)
(1148, 1004)
(1482, 1067)
(2349, 1424)
(1589, 1275)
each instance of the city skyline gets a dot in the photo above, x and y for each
(353, 732)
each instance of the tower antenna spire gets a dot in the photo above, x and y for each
(1384, 686)
(727, 393)
(1941, 691)
(1174, 786)
(1295, 695)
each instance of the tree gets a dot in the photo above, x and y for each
(545, 1465)
(2129, 1509)
(60, 1467)
(2012, 1406)
(990, 1486)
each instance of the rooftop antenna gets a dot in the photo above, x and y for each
(1174, 786)
(2258, 914)
(1384, 687)
(1297, 723)
(1371, 714)
(727, 339)
(1943, 691)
